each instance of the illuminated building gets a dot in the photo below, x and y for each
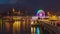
(22, 24)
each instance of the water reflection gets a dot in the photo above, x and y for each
(35, 30)
(7, 26)
(0, 25)
(16, 27)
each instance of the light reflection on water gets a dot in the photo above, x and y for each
(35, 30)
(16, 27)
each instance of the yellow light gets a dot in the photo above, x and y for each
(31, 29)
(13, 9)
(16, 26)
(0, 25)
(16, 17)
(53, 17)
(34, 29)
(32, 22)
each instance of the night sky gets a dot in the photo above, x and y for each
(31, 5)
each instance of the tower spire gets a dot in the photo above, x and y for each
(13, 10)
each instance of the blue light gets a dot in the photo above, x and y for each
(37, 30)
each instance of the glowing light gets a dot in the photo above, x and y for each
(13, 9)
(40, 13)
(34, 17)
(31, 29)
(34, 29)
(37, 30)
(32, 22)
(16, 26)
(53, 18)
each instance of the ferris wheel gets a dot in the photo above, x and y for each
(40, 13)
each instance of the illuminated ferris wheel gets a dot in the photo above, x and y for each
(40, 13)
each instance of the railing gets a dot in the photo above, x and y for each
(51, 28)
